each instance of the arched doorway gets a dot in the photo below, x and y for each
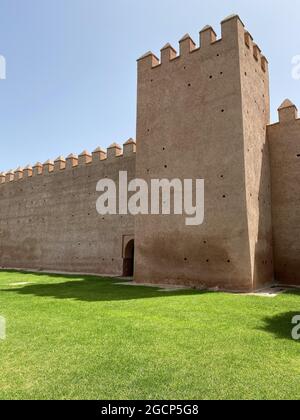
(128, 261)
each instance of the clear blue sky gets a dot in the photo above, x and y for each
(71, 65)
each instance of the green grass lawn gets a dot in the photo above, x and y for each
(77, 337)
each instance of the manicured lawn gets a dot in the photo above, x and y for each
(84, 337)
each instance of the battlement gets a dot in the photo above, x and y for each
(287, 112)
(208, 40)
(62, 164)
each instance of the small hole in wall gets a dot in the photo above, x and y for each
(298, 156)
(221, 73)
(166, 166)
(224, 196)
(245, 73)
(228, 261)
(218, 55)
(210, 77)
(164, 148)
(222, 110)
(222, 176)
(185, 259)
(207, 261)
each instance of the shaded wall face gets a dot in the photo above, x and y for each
(50, 222)
(284, 143)
(190, 126)
(256, 117)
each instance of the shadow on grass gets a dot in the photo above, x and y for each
(91, 289)
(281, 325)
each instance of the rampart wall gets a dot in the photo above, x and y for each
(49, 219)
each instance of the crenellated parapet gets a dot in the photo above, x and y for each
(113, 151)
(232, 27)
(2, 178)
(27, 172)
(84, 158)
(287, 112)
(37, 169)
(61, 164)
(48, 167)
(98, 155)
(129, 147)
(9, 176)
(256, 51)
(18, 174)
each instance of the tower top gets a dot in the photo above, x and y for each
(287, 104)
(287, 111)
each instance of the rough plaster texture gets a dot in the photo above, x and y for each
(204, 114)
(50, 222)
(195, 120)
(284, 142)
(256, 116)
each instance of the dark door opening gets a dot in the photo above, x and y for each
(128, 261)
